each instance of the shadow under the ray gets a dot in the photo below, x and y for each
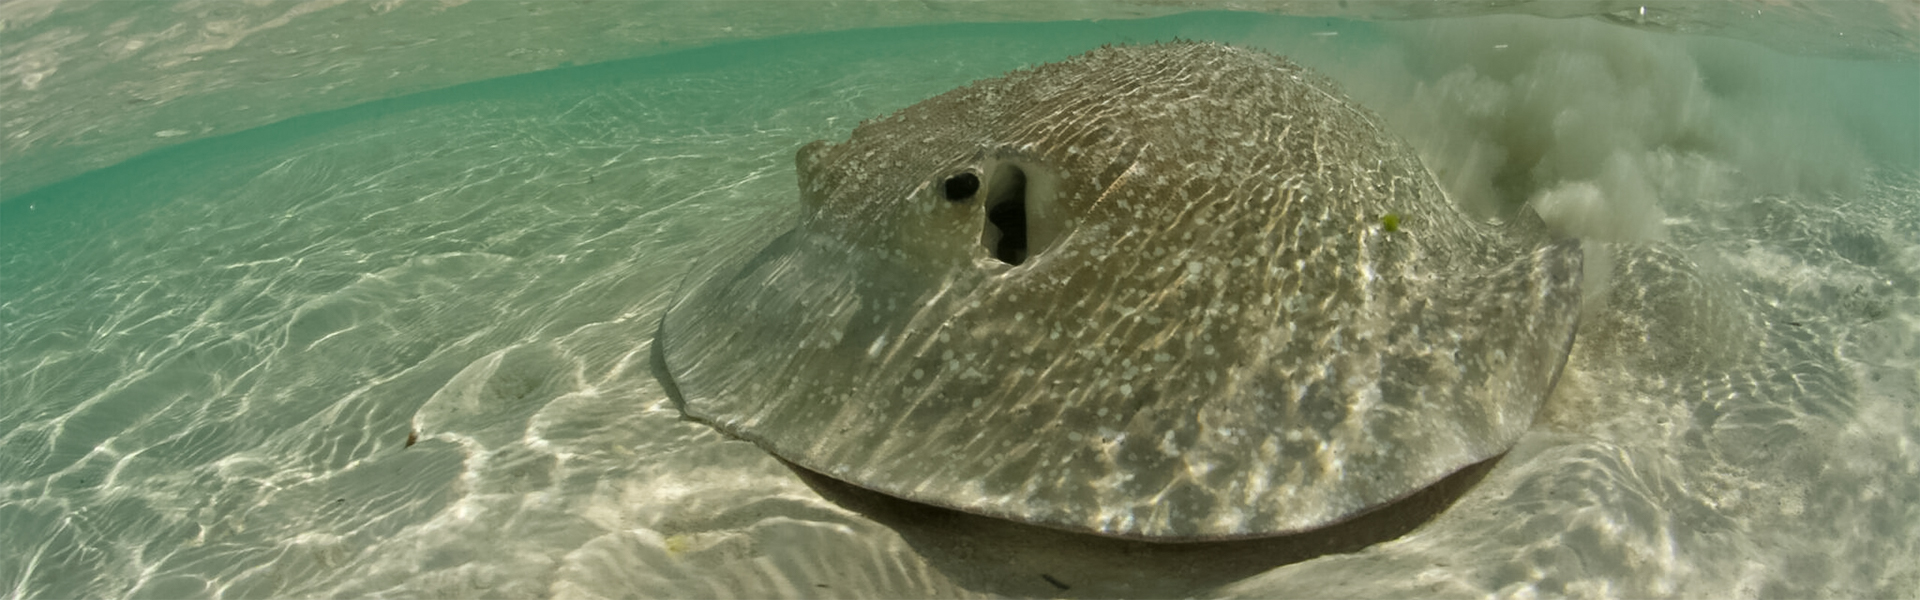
(1000, 557)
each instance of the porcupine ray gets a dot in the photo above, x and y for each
(1171, 292)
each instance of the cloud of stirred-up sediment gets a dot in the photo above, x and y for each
(1604, 129)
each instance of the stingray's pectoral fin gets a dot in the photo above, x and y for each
(1485, 362)
(1498, 349)
(1527, 312)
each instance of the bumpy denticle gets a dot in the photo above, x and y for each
(1145, 292)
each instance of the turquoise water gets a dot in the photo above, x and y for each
(214, 354)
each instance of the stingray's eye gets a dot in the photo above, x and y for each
(959, 188)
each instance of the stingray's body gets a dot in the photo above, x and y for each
(1147, 292)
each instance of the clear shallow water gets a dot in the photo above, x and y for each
(215, 354)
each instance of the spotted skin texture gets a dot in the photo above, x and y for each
(1212, 334)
